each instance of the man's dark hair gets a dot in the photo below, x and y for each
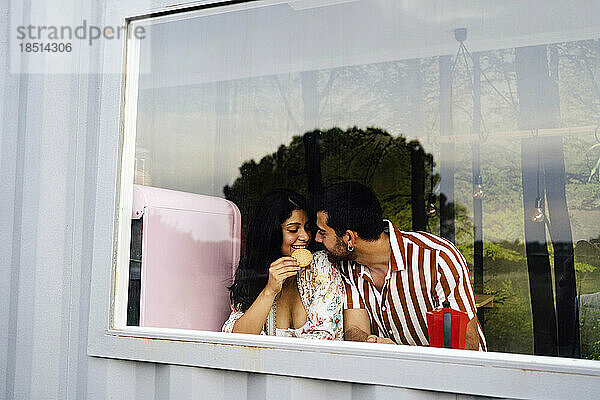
(352, 206)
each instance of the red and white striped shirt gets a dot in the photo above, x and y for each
(424, 271)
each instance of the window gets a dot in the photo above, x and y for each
(219, 99)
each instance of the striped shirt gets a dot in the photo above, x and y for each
(424, 271)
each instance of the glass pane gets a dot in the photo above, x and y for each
(508, 126)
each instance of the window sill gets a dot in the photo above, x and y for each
(445, 370)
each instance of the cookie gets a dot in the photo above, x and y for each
(303, 256)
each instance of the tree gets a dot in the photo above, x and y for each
(370, 156)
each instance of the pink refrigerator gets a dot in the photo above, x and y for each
(185, 249)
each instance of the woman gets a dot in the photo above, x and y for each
(302, 302)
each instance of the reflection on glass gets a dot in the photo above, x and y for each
(225, 122)
(477, 188)
(538, 215)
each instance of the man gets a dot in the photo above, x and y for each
(392, 278)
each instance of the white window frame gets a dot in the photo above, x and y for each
(446, 370)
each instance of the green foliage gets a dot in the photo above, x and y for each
(587, 256)
(492, 252)
(508, 325)
(282, 169)
(583, 267)
(370, 156)
(587, 263)
(590, 332)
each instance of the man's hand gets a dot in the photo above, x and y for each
(357, 326)
(355, 334)
(472, 340)
(379, 339)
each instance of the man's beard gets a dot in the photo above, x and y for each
(340, 253)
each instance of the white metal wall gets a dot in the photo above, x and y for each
(48, 159)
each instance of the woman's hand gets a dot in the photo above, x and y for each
(254, 318)
(279, 271)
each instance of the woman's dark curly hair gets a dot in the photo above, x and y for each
(263, 245)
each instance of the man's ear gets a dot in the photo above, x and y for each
(350, 236)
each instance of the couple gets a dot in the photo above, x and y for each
(383, 283)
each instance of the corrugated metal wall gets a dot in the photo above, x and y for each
(48, 159)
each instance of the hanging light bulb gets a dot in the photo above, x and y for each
(477, 188)
(538, 215)
(431, 209)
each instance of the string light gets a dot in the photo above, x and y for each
(431, 208)
(477, 188)
(538, 215)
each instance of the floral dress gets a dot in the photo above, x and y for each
(322, 292)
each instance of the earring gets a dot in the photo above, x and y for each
(350, 248)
